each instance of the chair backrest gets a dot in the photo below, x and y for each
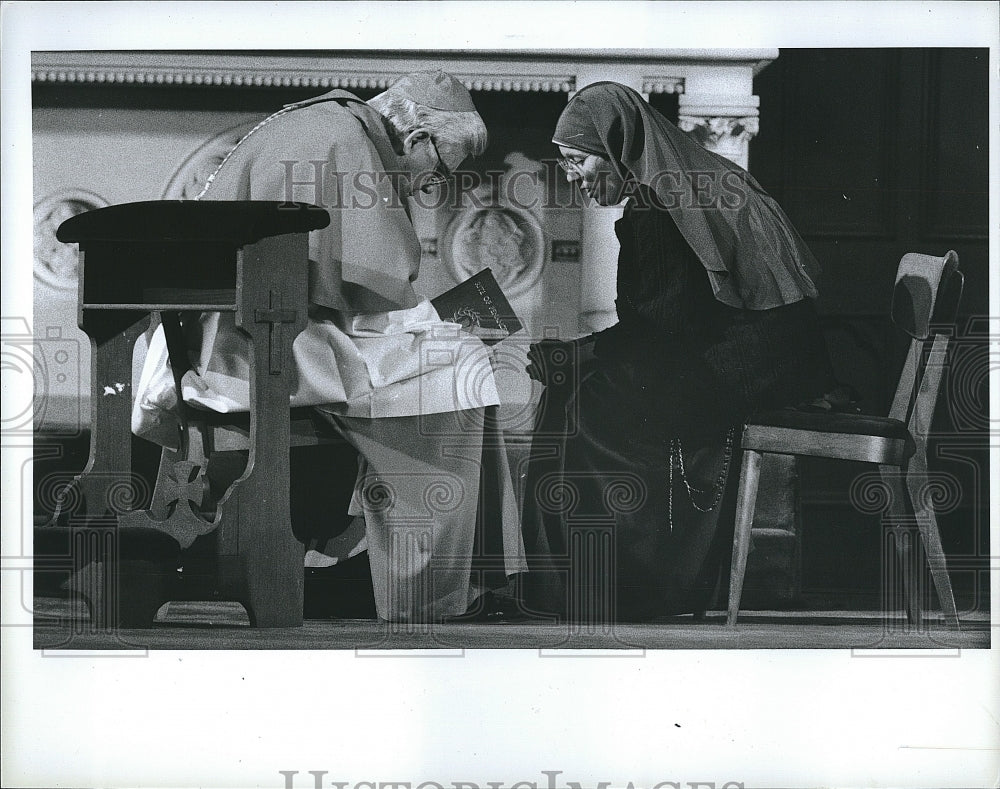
(927, 292)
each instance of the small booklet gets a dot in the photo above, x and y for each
(480, 307)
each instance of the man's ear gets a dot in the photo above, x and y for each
(413, 138)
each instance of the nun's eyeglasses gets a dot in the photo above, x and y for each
(571, 165)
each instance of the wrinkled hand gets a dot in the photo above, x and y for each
(558, 362)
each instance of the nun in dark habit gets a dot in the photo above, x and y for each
(639, 423)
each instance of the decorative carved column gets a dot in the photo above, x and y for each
(599, 267)
(724, 124)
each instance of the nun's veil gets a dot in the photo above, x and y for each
(755, 259)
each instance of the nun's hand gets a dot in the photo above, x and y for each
(557, 362)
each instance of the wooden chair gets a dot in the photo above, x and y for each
(927, 292)
(167, 258)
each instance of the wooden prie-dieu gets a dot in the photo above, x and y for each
(174, 259)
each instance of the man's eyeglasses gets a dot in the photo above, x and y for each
(442, 168)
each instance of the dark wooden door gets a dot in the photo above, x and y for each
(874, 153)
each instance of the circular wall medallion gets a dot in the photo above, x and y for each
(56, 263)
(506, 239)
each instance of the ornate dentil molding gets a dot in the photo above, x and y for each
(288, 78)
(653, 85)
(211, 77)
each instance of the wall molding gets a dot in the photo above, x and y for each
(169, 69)
(658, 70)
(293, 79)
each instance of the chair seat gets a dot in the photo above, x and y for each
(872, 439)
(825, 422)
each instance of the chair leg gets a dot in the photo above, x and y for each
(930, 535)
(746, 502)
(898, 516)
(916, 477)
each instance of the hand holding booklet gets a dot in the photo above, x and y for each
(480, 307)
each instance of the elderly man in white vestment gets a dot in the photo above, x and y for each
(407, 389)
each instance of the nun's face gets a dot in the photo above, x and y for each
(593, 174)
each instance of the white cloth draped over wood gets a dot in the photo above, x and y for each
(416, 364)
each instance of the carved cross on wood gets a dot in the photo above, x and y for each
(184, 482)
(184, 487)
(274, 316)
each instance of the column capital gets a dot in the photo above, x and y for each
(724, 124)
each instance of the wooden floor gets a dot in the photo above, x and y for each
(59, 624)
